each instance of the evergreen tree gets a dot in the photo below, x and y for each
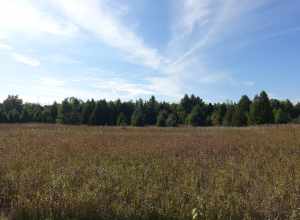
(87, 111)
(70, 111)
(218, 115)
(12, 107)
(227, 121)
(281, 117)
(13, 116)
(151, 111)
(25, 116)
(54, 111)
(241, 112)
(138, 118)
(239, 118)
(122, 120)
(2, 116)
(171, 120)
(100, 114)
(196, 117)
(46, 116)
(244, 104)
(261, 110)
(162, 118)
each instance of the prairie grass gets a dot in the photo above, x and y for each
(62, 172)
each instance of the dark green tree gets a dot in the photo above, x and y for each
(138, 118)
(122, 120)
(151, 111)
(239, 118)
(196, 117)
(244, 104)
(261, 111)
(281, 117)
(100, 114)
(162, 119)
(218, 115)
(70, 111)
(87, 111)
(12, 107)
(171, 120)
(227, 121)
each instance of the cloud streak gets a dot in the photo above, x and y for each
(98, 18)
(21, 16)
(26, 60)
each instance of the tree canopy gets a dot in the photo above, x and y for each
(191, 110)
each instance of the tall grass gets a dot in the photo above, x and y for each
(59, 172)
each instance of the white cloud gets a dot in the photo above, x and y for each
(22, 16)
(51, 82)
(5, 46)
(194, 13)
(222, 18)
(27, 60)
(98, 18)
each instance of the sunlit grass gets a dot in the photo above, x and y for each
(58, 172)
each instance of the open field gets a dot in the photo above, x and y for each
(61, 172)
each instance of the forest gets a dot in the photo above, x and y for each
(191, 111)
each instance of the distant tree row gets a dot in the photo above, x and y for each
(191, 110)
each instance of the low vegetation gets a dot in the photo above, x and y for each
(60, 172)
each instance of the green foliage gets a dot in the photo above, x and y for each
(239, 118)
(281, 117)
(87, 111)
(244, 104)
(122, 120)
(218, 115)
(261, 110)
(191, 110)
(171, 120)
(162, 119)
(138, 118)
(196, 117)
(100, 114)
(70, 111)
(151, 111)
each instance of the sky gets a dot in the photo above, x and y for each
(129, 49)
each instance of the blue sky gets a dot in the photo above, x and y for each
(129, 49)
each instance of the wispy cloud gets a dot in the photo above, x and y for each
(98, 18)
(21, 16)
(194, 13)
(27, 60)
(4, 46)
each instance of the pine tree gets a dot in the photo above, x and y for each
(239, 118)
(162, 119)
(196, 117)
(122, 120)
(227, 121)
(261, 110)
(281, 117)
(138, 118)
(171, 120)
(87, 111)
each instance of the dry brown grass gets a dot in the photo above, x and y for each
(60, 172)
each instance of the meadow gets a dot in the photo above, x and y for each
(57, 172)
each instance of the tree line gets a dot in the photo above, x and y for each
(191, 110)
